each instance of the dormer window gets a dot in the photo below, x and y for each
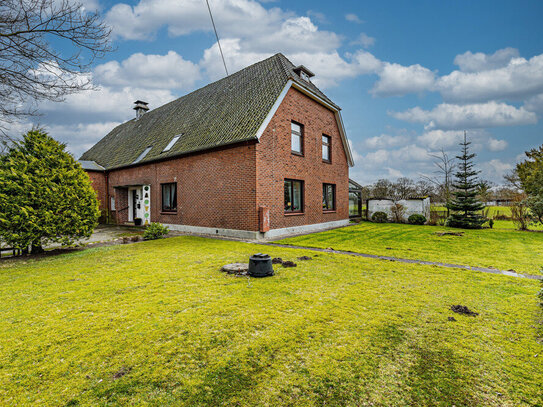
(304, 73)
(171, 143)
(142, 155)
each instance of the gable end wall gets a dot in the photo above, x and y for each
(275, 162)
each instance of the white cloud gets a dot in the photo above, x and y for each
(397, 80)
(181, 17)
(449, 117)
(365, 40)
(535, 104)
(385, 140)
(168, 71)
(469, 62)
(353, 18)
(440, 139)
(496, 145)
(519, 79)
(494, 170)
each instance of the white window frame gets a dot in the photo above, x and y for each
(171, 143)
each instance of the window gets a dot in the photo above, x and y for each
(326, 148)
(328, 197)
(171, 143)
(112, 203)
(142, 155)
(294, 196)
(169, 197)
(304, 76)
(296, 138)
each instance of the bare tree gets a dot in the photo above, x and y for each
(32, 66)
(445, 169)
(403, 188)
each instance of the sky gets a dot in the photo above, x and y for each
(410, 76)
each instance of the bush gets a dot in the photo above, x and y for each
(417, 219)
(398, 213)
(379, 217)
(45, 195)
(155, 231)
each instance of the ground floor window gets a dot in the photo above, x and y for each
(169, 197)
(328, 197)
(294, 196)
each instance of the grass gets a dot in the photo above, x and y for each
(500, 248)
(156, 323)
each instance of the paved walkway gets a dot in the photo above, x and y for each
(400, 260)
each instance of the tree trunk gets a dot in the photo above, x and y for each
(37, 247)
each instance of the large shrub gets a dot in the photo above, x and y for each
(155, 231)
(417, 219)
(45, 196)
(379, 217)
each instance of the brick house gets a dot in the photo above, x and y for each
(258, 154)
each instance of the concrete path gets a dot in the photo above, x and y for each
(401, 260)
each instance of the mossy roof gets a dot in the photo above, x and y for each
(228, 111)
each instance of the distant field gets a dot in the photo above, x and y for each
(501, 247)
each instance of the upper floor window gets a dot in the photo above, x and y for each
(296, 138)
(328, 197)
(326, 148)
(169, 197)
(304, 76)
(294, 196)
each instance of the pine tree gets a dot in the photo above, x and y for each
(465, 206)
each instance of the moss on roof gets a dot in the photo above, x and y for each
(228, 111)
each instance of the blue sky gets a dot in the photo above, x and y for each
(410, 76)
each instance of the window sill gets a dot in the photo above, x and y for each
(327, 162)
(168, 213)
(297, 154)
(294, 213)
(329, 211)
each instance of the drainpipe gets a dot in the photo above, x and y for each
(108, 220)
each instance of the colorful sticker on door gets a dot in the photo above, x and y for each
(147, 206)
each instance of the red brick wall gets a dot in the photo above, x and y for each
(224, 188)
(98, 181)
(275, 162)
(214, 189)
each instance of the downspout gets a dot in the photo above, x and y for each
(108, 210)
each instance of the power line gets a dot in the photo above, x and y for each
(217, 35)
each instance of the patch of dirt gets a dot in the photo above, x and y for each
(447, 233)
(277, 260)
(462, 309)
(305, 258)
(452, 319)
(122, 371)
(289, 263)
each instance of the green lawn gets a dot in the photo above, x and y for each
(500, 248)
(156, 323)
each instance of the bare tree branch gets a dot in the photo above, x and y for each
(32, 67)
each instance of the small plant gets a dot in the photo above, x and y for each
(379, 217)
(491, 223)
(417, 219)
(398, 212)
(155, 231)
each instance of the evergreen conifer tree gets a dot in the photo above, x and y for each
(45, 195)
(465, 206)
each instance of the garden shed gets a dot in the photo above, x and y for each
(412, 206)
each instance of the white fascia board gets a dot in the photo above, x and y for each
(290, 83)
(273, 109)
